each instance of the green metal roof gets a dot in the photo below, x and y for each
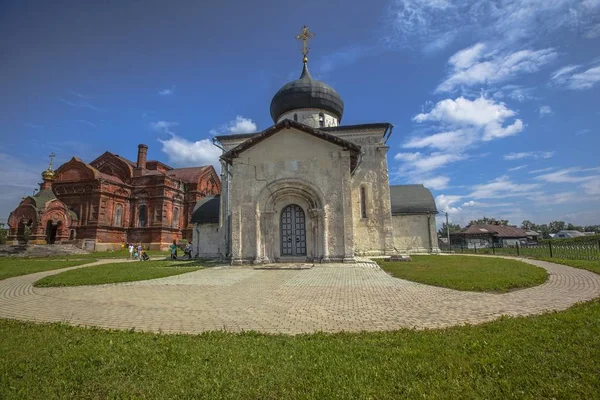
(411, 199)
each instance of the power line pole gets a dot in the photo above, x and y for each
(447, 229)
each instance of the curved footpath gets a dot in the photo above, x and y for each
(329, 297)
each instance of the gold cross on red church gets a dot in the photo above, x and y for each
(52, 155)
(305, 35)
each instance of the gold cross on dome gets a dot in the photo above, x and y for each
(305, 35)
(52, 155)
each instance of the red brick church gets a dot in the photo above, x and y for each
(113, 200)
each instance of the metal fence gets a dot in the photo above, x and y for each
(587, 251)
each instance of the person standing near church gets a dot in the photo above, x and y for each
(130, 251)
(173, 248)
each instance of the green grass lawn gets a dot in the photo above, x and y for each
(480, 274)
(590, 265)
(556, 355)
(10, 267)
(111, 254)
(119, 272)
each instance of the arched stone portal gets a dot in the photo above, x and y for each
(51, 229)
(272, 201)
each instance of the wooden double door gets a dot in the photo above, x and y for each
(293, 231)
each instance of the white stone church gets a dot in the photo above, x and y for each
(311, 189)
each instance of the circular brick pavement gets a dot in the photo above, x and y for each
(329, 297)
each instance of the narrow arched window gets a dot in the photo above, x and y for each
(176, 217)
(321, 120)
(295, 117)
(142, 216)
(118, 215)
(363, 203)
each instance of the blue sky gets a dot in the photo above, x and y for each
(495, 104)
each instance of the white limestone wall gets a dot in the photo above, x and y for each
(206, 241)
(310, 117)
(415, 233)
(318, 166)
(373, 234)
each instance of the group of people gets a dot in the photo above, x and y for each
(187, 250)
(137, 252)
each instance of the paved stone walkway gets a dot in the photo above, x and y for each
(331, 297)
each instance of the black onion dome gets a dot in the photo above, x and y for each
(306, 92)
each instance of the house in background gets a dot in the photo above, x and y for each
(487, 235)
(569, 234)
(533, 236)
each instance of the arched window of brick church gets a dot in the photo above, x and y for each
(176, 217)
(295, 117)
(363, 202)
(142, 216)
(118, 215)
(321, 120)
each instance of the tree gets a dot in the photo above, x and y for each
(591, 228)
(3, 235)
(491, 221)
(443, 232)
(572, 227)
(530, 226)
(556, 226)
(544, 230)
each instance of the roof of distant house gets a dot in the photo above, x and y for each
(569, 233)
(504, 231)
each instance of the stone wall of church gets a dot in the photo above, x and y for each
(286, 156)
(373, 227)
(207, 241)
(415, 233)
(310, 117)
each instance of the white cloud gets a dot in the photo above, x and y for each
(585, 80)
(567, 78)
(563, 72)
(470, 67)
(470, 203)
(478, 112)
(514, 92)
(537, 171)
(467, 57)
(484, 114)
(238, 125)
(419, 23)
(183, 152)
(529, 154)
(502, 187)
(593, 32)
(459, 138)
(436, 182)
(592, 186)
(419, 168)
(420, 163)
(166, 92)
(560, 198)
(570, 175)
(80, 104)
(518, 167)
(445, 203)
(545, 110)
(163, 125)
(582, 132)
